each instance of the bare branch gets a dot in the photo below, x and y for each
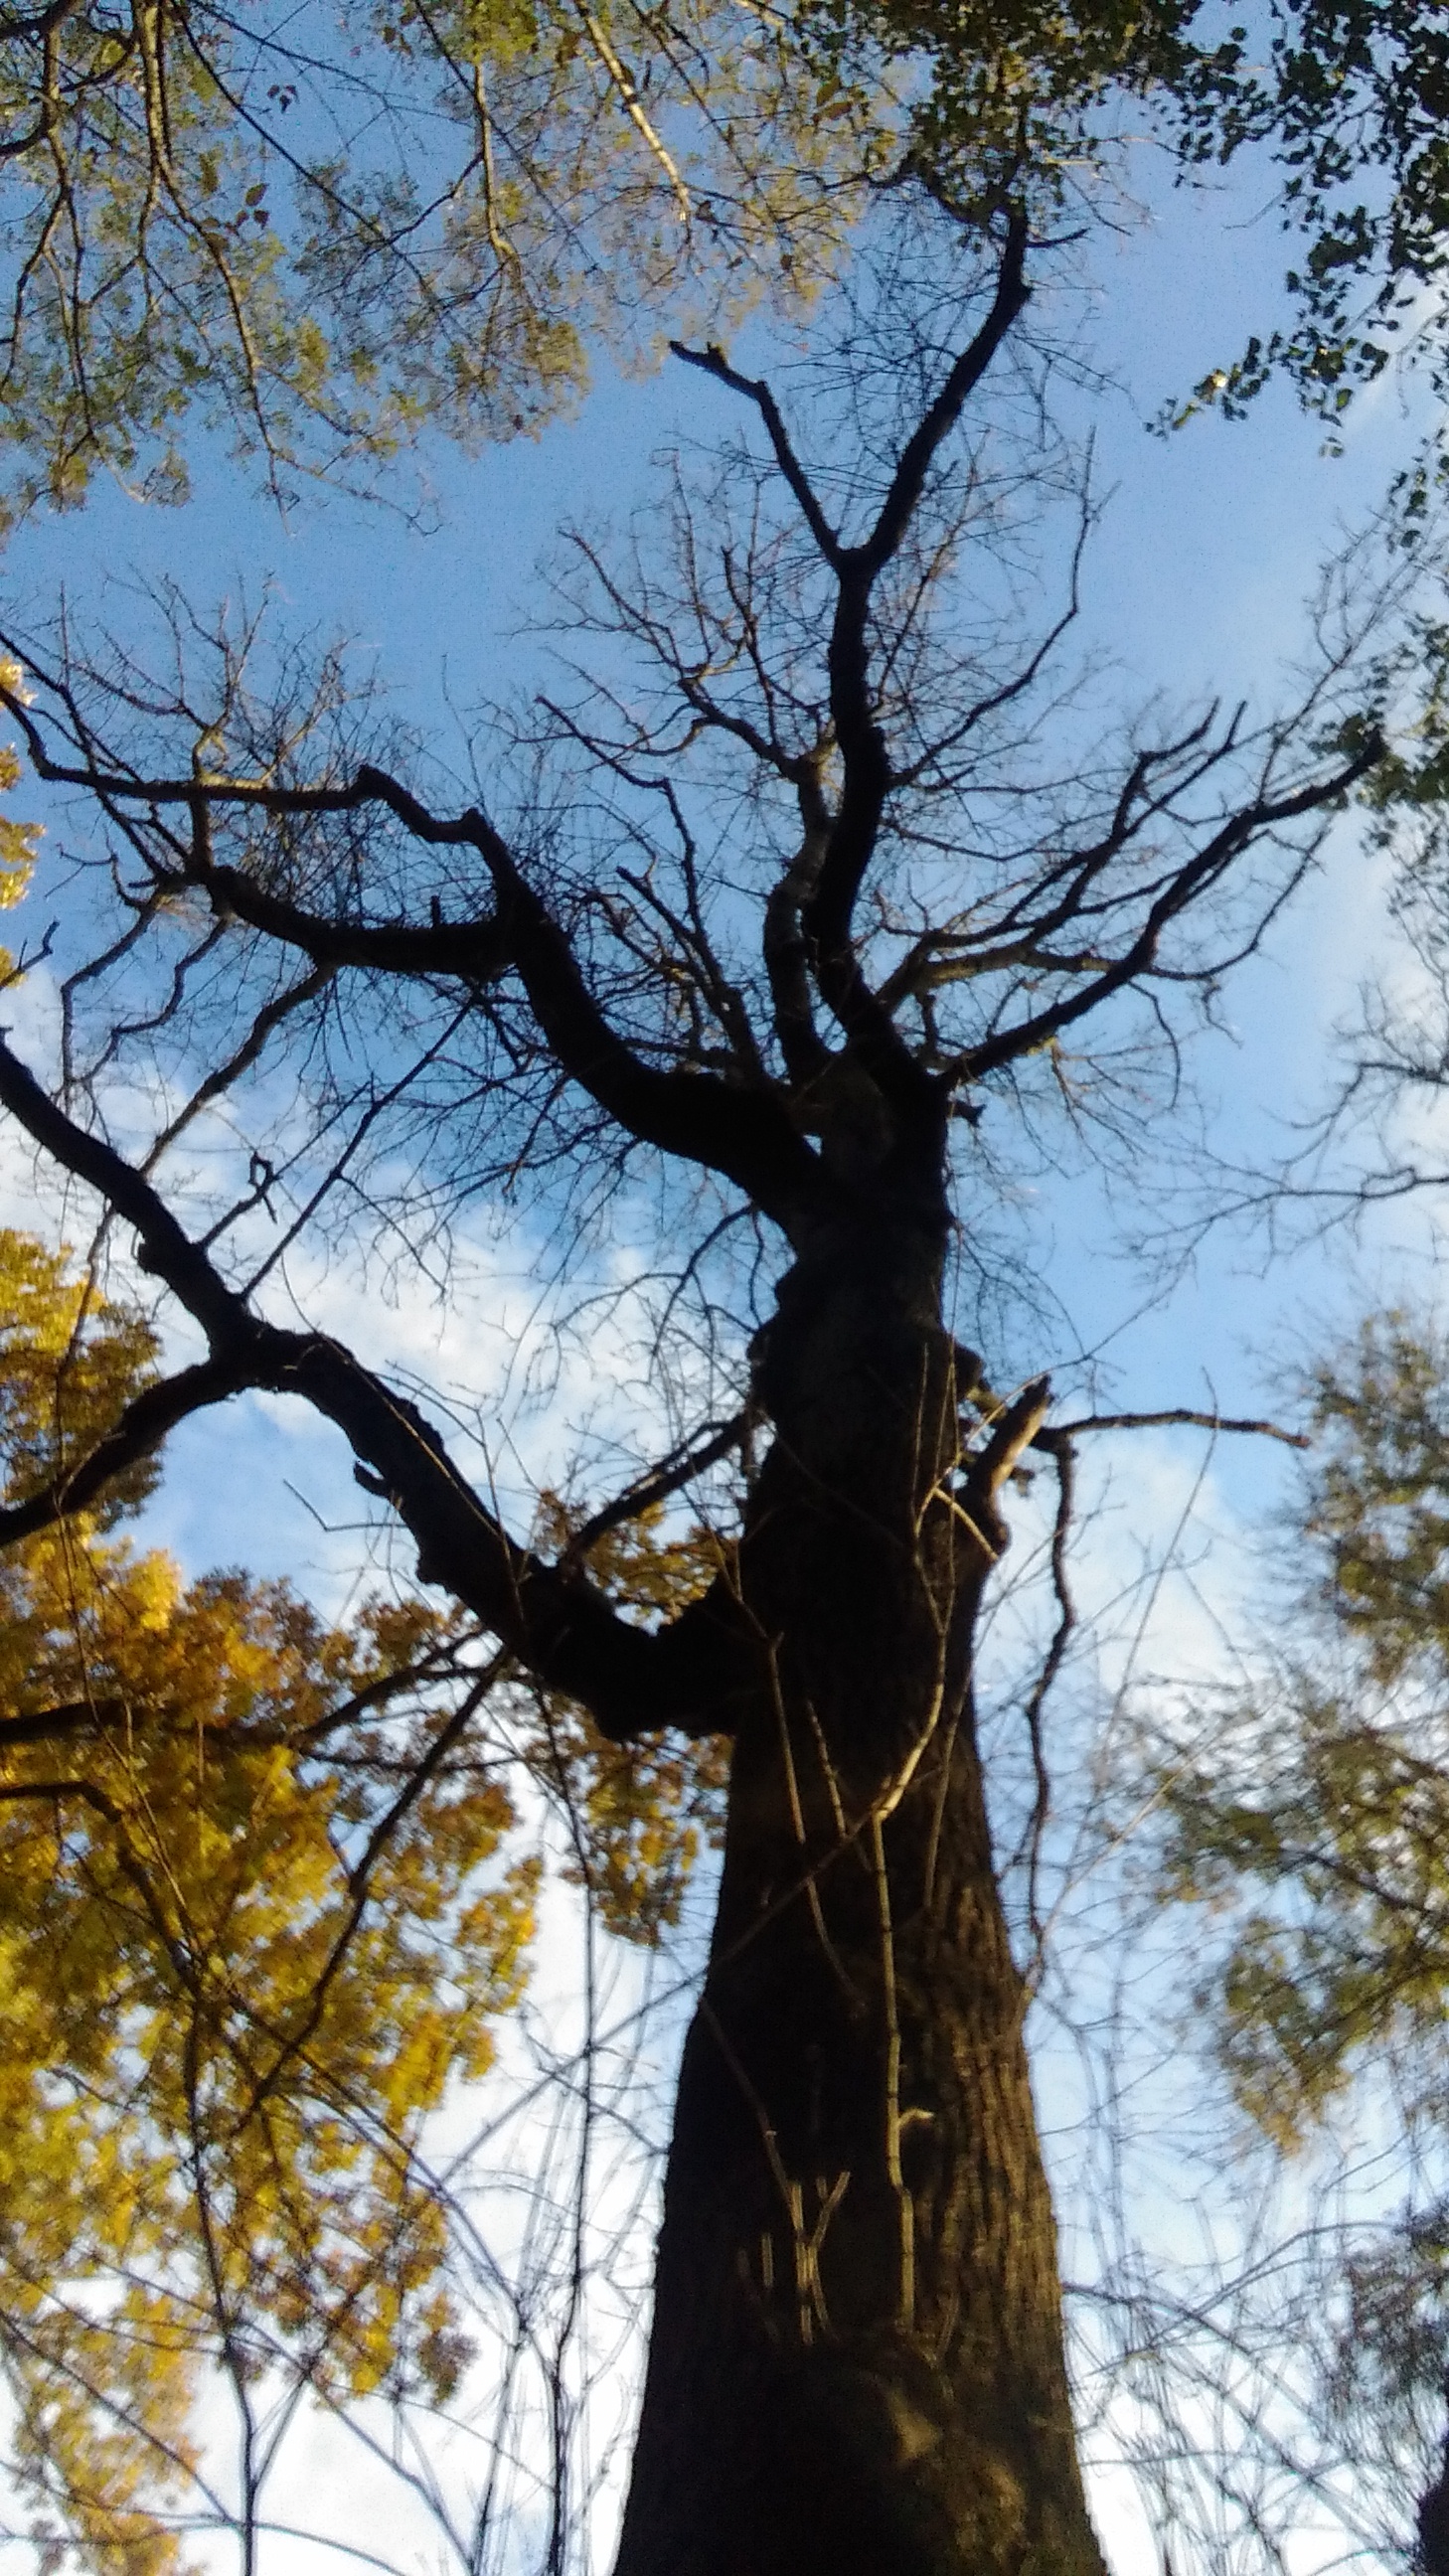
(1170, 1415)
(1320, 796)
(559, 1625)
(857, 732)
(713, 362)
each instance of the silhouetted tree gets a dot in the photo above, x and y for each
(811, 902)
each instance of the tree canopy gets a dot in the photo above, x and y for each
(1310, 1810)
(269, 1888)
(1337, 1793)
(1339, 109)
(330, 233)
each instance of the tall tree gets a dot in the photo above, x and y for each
(818, 902)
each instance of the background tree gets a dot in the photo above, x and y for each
(1346, 103)
(334, 232)
(1309, 1810)
(817, 897)
(269, 1889)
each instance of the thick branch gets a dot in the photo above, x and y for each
(861, 743)
(785, 949)
(1014, 1428)
(826, 902)
(919, 453)
(558, 1625)
(46, 1724)
(743, 1133)
(165, 1250)
(474, 951)
(138, 1434)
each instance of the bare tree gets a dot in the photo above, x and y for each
(810, 904)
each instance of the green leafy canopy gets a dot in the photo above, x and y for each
(334, 230)
(1320, 1815)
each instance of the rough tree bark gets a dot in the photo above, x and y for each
(857, 2359)
(857, 2363)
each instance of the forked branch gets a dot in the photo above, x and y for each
(745, 1133)
(560, 1627)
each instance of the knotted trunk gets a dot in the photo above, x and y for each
(856, 2366)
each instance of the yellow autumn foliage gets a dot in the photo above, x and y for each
(264, 1896)
(638, 1815)
(19, 842)
(237, 1974)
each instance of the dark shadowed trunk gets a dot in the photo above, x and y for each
(857, 2353)
(1431, 2553)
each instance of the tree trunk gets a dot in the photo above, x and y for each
(857, 2366)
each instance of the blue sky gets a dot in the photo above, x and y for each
(1194, 584)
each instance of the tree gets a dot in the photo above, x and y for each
(810, 910)
(333, 232)
(1346, 99)
(1310, 1810)
(336, 232)
(268, 1893)
(1351, 1810)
